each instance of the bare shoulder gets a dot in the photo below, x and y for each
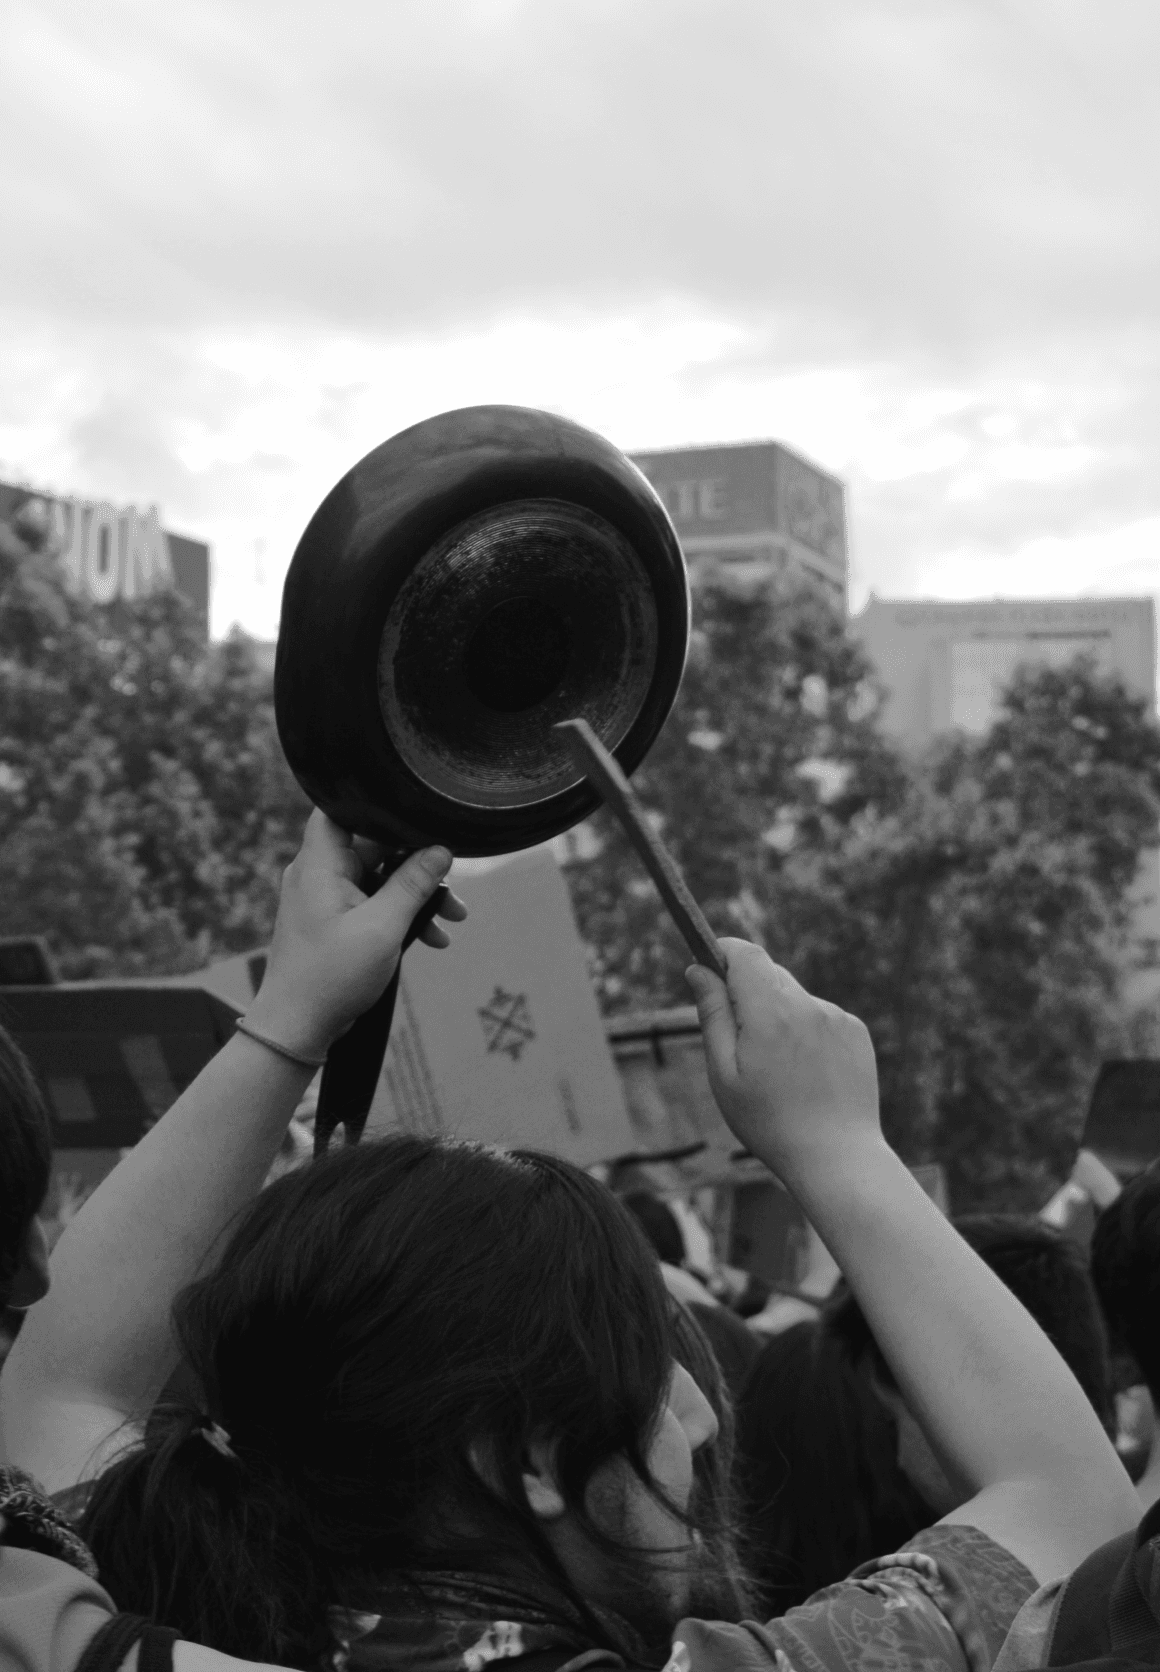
(61, 1441)
(191, 1657)
(1032, 1520)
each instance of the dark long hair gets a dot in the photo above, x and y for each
(371, 1318)
(1126, 1271)
(817, 1452)
(723, 1588)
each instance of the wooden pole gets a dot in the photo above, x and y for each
(605, 775)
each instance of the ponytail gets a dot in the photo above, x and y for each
(213, 1543)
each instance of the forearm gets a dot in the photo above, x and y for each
(102, 1334)
(796, 1080)
(991, 1393)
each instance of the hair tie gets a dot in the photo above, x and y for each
(215, 1435)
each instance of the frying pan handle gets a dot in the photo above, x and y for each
(355, 1061)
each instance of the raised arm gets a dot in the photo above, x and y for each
(796, 1080)
(97, 1350)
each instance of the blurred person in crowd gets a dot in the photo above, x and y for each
(838, 1466)
(743, 1292)
(817, 1276)
(1126, 1271)
(785, 1309)
(437, 1385)
(817, 1468)
(734, 1345)
(1088, 1189)
(659, 1224)
(662, 1228)
(1048, 1272)
(749, 1292)
(1074, 1209)
(1107, 1612)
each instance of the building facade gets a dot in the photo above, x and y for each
(945, 665)
(109, 552)
(752, 511)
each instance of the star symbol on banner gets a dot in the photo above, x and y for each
(507, 1023)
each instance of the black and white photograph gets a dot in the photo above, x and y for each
(579, 836)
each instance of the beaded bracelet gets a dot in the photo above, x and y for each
(274, 1045)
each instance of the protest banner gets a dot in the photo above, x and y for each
(499, 1038)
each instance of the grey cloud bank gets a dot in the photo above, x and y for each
(239, 238)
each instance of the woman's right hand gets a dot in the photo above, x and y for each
(794, 1076)
(334, 949)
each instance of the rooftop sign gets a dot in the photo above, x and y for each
(756, 500)
(108, 552)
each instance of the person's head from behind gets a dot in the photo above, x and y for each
(1049, 1274)
(818, 1468)
(427, 1357)
(1126, 1272)
(25, 1164)
(659, 1224)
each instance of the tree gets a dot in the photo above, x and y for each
(972, 907)
(1064, 798)
(772, 747)
(145, 809)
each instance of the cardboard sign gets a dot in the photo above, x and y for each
(113, 1056)
(499, 1038)
(670, 1106)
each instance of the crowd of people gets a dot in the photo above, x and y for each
(422, 1405)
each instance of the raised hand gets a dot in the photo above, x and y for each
(334, 949)
(97, 1350)
(794, 1077)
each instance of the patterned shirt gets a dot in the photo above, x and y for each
(942, 1604)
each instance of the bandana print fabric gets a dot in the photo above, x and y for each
(943, 1604)
(463, 1623)
(31, 1521)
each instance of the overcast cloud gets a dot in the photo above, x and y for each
(244, 242)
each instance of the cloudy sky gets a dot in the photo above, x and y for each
(918, 240)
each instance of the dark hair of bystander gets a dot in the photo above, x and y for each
(817, 1459)
(1045, 1270)
(1126, 1272)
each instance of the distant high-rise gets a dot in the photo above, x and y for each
(945, 664)
(753, 511)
